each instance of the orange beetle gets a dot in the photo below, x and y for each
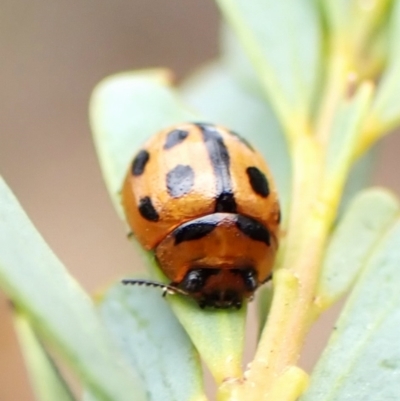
(204, 201)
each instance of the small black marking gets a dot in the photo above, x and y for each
(139, 162)
(220, 161)
(147, 210)
(225, 203)
(258, 181)
(193, 230)
(241, 139)
(279, 217)
(180, 180)
(253, 229)
(222, 299)
(175, 137)
(268, 278)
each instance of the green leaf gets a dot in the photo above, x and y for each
(362, 359)
(47, 382)
(125, 110)
(216, 94)
(282, 40)
(218, 334)
(154, 342)
(58, 309)
(364, 223)
(346, 131)
(386, 106)
(359, 178)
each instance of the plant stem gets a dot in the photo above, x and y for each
(339, 80)
(294, 281)
(316, 196)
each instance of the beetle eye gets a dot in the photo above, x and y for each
(196, 279)
(249, 277)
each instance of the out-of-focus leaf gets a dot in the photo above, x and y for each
(362, 359)
(386, 106)
(346, 131)
(217, 95)
(59, 310)
(154, 342)
(47, 382)
(282, 40)
(364, 223)
(359, 177)
(125, 110)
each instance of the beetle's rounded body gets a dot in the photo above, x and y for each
(204, 201)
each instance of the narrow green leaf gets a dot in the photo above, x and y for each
(125, 110)
(362, 359)
(364, 223)
(216, 94)
(236, 62)
(346, 131)
(218, 334)
(282, 40)
(386, 106)
(59, 310)
(88, 396)
(154, 342)
(47, 382)
(359, 178)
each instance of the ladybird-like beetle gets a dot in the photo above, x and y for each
(204, 201)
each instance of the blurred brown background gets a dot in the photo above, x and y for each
(52, 55)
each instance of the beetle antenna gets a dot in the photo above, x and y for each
(168, 289)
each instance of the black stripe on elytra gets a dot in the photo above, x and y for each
(258, 181)
(253, 229)
(180, 180)
(175, 137)
(279, 217)
(193, 230)
(220, 161)
(241, 139)
(147, 210)
(139, 162)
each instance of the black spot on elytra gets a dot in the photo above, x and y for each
(253, 229)
(180, 180)
(139, 162)
(241, 139)
(147, 210)
(258, 181)
(193, 230)
(220, 161)
(175, 137)
(279, 217)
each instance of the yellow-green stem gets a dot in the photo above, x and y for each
(339, 79)
(295, 281)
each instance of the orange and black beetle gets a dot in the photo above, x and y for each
(204, 200)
